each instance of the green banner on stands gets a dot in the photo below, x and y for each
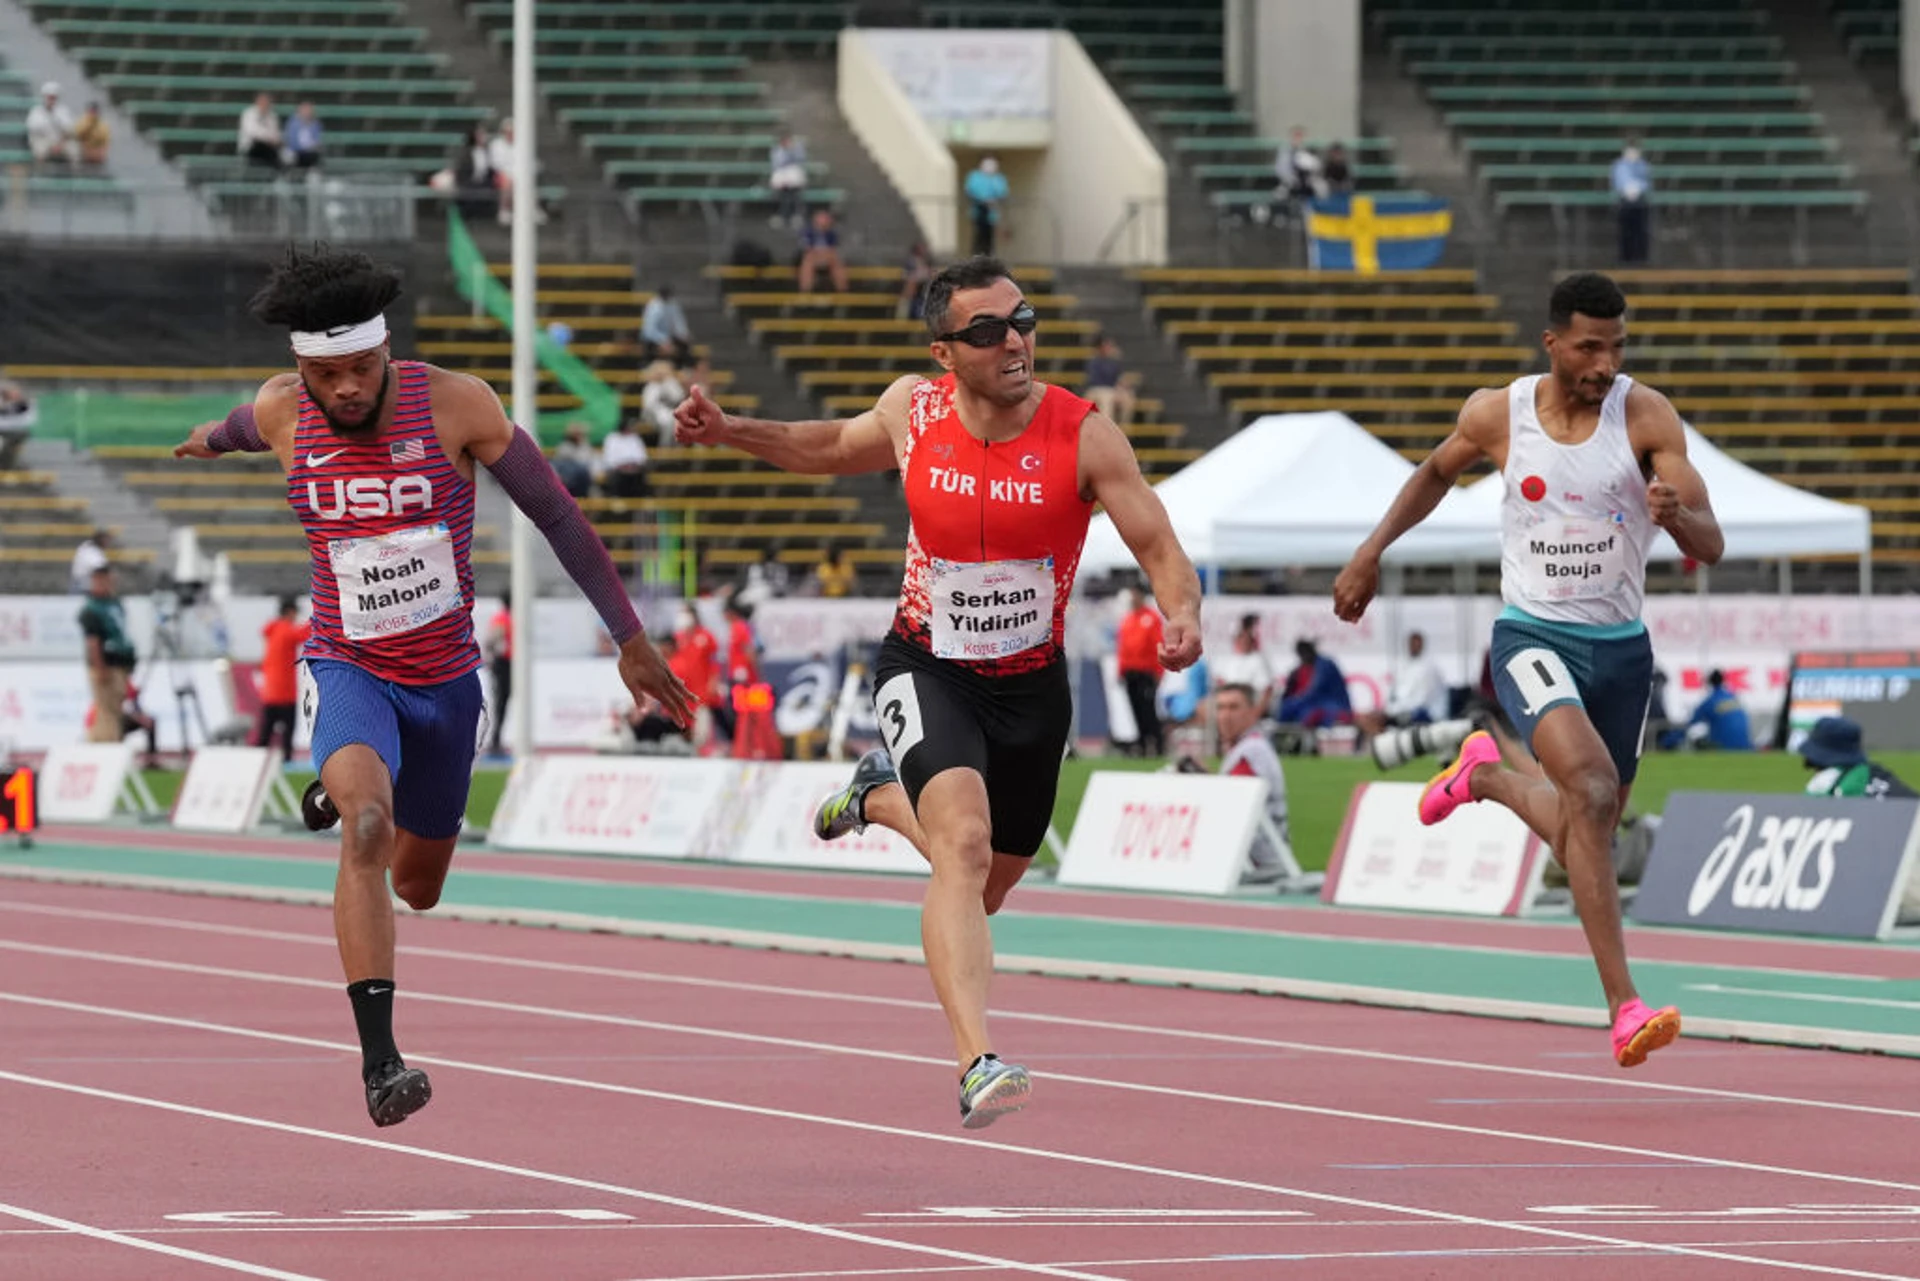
(599, 403)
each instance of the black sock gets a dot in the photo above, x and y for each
(373, 1016)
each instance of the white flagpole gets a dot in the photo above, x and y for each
(526, 373)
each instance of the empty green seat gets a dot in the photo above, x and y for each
(557, 64)
(1772, 96)
(1628, 46)
(1817, 199)
(1657, 150)
(165, 86)
(398, 62)
(1750, 122)
(268, 32)
(659, 89)
(758, 143)
(666, 170)
(746, 117)
(341, 119)
(1756, 70)
(1547, 174)
(744, 195)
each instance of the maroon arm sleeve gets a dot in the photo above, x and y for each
(530, 481)
(238, 434)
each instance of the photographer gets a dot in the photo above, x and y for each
(1247, 753)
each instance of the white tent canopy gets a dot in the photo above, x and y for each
(1305, 489)
(1291, 489)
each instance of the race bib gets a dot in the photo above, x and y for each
(391, 584)
(1570, 558)
(991, 610)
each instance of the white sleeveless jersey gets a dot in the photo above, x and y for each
(1574, 525)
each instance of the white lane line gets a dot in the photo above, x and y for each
(1830, 998)
(524, 1172)
(1399, 998)
(153, 1247)
(906, 1003)
(895, 1056)
(839, 1123)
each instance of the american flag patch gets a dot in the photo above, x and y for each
(409, 451)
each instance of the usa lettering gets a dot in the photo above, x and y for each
(365, 496)
(1026, 492)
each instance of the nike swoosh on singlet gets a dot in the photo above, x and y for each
(321, 460)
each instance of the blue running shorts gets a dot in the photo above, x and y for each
(426, 735)
(1606, 671)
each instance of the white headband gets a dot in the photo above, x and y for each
(341, 340)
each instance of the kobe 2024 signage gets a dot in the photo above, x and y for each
(1781, 863)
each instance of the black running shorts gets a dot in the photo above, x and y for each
(936, 715)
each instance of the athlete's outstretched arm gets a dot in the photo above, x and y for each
(240, 431)
(1676, 495)
(1111, 477)
(1353, 590)
(530, 481)
(835, 447)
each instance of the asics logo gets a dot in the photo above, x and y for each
(321, 460)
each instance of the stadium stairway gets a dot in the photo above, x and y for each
(99, 499)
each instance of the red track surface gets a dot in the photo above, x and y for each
(704, 1112)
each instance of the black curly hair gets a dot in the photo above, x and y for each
(1586, 294)
(321, 288)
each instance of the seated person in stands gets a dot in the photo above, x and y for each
(260, 139)
(476, 191)
(92, 135)
(50, 128)
(15, 404)
(306, 137)
(1315, 694)
(1109, 389)
(623, 459)
(820, 247)
(1718, 722)
(659, 397)
(915, 273)
(576, 461)
(664, 334)
(1833, 749)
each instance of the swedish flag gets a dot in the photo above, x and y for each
(1368, 234)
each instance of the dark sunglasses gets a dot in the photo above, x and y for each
(991, 331)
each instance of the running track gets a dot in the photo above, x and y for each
(179, 1097)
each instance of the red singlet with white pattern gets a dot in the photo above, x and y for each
(995, 533)
(389, 523)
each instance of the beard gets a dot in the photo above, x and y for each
(352, 431)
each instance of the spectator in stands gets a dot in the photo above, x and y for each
(306, 137)
(110, 663)
(820, 247)
(987, 191)
(92, 136)
(575, 460)
(914, 275)
(787, 176)
(16, 407)
(50, 128)
(1248, 753)
(1299, 169)
(473, 182)
(88, 558)
(1416, 692)
(1316, 691)
(1108, 387)
(1632, 181)
(260, 138)
(502, 157)
(623, 458)
(663, 329)
(1245, 663)
(834, 577)
(1833, 748)
(659, 397)
(1337, 171)
(281, 640)
(1137, 647)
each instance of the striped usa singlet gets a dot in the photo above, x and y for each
(994, 536)
(389, 524)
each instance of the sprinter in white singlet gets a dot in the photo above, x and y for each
(1594, 464)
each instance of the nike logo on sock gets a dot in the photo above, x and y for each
(378, 991)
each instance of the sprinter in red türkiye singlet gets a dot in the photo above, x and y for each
(995, 533)
(972, 692)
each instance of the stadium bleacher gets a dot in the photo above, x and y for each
(663, 95)
(1705, 85)
(184, 70)
(60, 185)
(845, 349)
(1169, 66)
